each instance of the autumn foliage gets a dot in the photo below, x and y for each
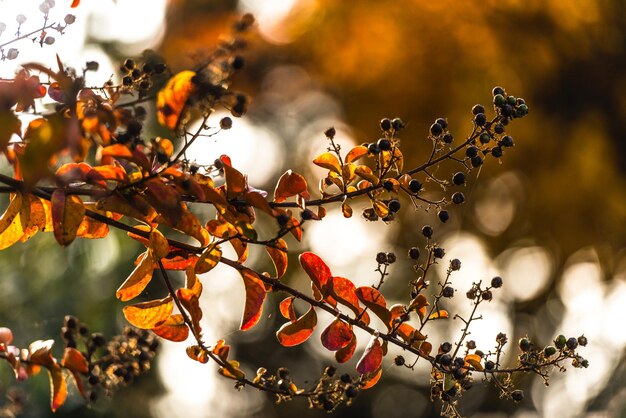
(85, 166)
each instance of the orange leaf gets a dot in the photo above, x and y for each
(440, 314)
(221, 350)
(138, 279)
(58, 387)
(197, 353)
(328, 161)
(419, 305)
(173, 329)
(372, 357)
(372, 379)
(348, 172)
(474, 361)
(375, 301)
(317, 270)
(148, 315)
(189, 298)
(290, 184)
(75, 3)
(74, 360)
(209, 259)
(278, 254)
(158, 244)
(344, 292)
(345, 353)
(337, 335)
(255, 296)
(172, 98)
(111, 172)
(425, 348)
(294, 333)
(67, 214)
(356, 153)
(14, 221)
(366, 173)
(235, 182)
(287, 310)
(346, 210)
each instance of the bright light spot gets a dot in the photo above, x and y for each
(525, 271)
(495, 206)
(252, 149)
(580, 286)
(278, 20)
(341, 242)
(475, 263)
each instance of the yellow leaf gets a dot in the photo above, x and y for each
(172, 98)
(328, 161)
(67, 214)
(158, 244)
(148, 315)
(348, 172)
(366, 173)
(356, 153)
(209, 259)
(14, 221)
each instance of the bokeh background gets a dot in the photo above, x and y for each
(550, 217)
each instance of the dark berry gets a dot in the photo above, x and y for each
(414, 253)
(388, 185)
(443, 215)
(93, 379)
(489, 365)
(391, 258)
(98, 339)
(445, 360)
(517, 395)
(307, 214)
(507, 141)
(415, 186)
(442, 122)
(237, 62)
(351, 391)
(496, 152)
(399, 361)
(459, 362)
(328, 405)
(427, 231)
(436, 129)
(129, 64)
(160, 68)
(497, 90)
(499, 100)
(511, 100)
(471, 151)
(144, 84)
(455, 264)
(127, 81)
(471, 344)
(477, 161)
(471, 294)
(496, 282)
(381, 258)
(439, 252)
(397, 124)
(572, 343)
(485, 138)
(83, 330)
(445, 347)
(92, 65)
(71, 321)
(330, 371)
(582, 341)
(394, 206)
(480, 119)
(136, 74)
(448, 292)
(458, 178)
(458, 198)
(385, 124)
(384, 144)
(345, 378)
(524, 344)
(523, 109)
(506, 110)
(283, 372)
(487, 295)
(499, 128)
(448, 138)
(373, 148)
(226, 123)
(283, 219)
(549, 351)
(560, 341)
(478, 108)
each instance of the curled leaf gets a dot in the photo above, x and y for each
(372, 357)
(356, 153)
(278, 254)
(317, 270)
(294, 333)
(158, 244)
(138, 279)
(209, 259)
(67, 214)
(287, 310)
(255, 296)
(290, 184)
(148, 315)
(345, 353)
(173, 329)
(376, 303)
(196, 353)
(58, 386)
(328, 161)
(371, 379)
(475, 361)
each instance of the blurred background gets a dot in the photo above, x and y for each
(550, 218)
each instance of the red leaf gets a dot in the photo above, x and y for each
(74, 361)
(255, 295)
(344, 354)
(173, 329)
(317, 270)
(372, 379)
(287, 310)
(290, 184)
(337, 335)
(278, 254)
(372, 358)
(375, 301)
(344, 292)
(58, 387)
(294, 333)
